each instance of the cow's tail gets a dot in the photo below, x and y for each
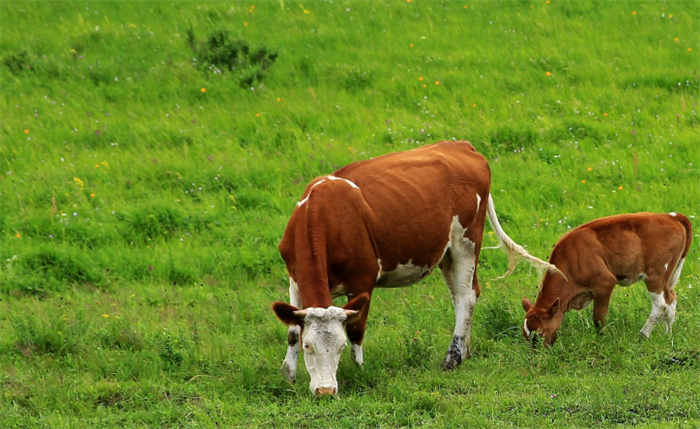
(515, 251)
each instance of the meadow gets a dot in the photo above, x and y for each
(152, 152)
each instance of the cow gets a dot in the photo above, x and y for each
(384, 222)
(597, 256)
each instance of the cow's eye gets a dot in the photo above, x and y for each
(308, 348)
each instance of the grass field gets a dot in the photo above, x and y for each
(152, 152)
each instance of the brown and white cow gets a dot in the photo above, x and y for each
(615, 250)
(384, 222)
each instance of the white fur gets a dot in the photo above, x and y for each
(658, 308)
(403, 275)
(289, 365)
(306, 198)
(527, 331)
(323, 340)
(459, 278)
(344, 180)
(356, 352)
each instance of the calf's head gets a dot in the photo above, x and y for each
(540, 321)
(323, 338)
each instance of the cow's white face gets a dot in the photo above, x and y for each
(322, 341)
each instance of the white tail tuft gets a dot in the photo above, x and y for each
(515, 251)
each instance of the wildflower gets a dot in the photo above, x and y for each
(590, 168)
(18, 235)
(466, 7)
(548, 73)
(92, 195)
(675, 39)
(583, 181)
(420, 78)
(257, 115)
(670, 16)
(437, 82)
(620, 188)
(26, 131)
(79, 182)
(105, 315)
(279, 99)
(634, 13)
(245, 24)
(605, 114)
(690, 49)
(410, 45)
(150, 268)
(204, 90)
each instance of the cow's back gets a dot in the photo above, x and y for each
(394, 208)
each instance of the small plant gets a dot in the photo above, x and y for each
(220, 53)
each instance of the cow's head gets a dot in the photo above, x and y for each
(323, 338)
(541, 321)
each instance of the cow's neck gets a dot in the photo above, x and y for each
(312, 276)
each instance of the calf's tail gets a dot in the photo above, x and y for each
(515, 251)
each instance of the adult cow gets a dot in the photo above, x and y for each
(614, 250)
(384, 222)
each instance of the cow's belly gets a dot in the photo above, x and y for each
(403, 275)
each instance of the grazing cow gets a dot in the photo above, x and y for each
(385, 222)
(615, 250)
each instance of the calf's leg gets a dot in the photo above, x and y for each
(601, 300)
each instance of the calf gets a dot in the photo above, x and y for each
(615, 250)
(384, 222)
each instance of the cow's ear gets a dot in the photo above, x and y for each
(527, 305)
(355, 306)
(288, 314)
(554, 308)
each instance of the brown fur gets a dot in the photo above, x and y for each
(600, 254)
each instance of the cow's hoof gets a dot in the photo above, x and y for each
(451, 362)
(288, 372)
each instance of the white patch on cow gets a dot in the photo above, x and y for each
(356, 352)
(478, 202)
(403, 275)
(344, 180)
(305, 199)
(527, 331)
(676, 274)
(665, 267)
(459, 278)
(379, 272)
(674, 214)
(289, 365)
(658, 307)
(670, 316)
(323, 340)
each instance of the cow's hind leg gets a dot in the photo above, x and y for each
(663, 299)
(289, 365)
(459, 271)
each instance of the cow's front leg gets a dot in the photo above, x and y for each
(289, 366)
(356, 332)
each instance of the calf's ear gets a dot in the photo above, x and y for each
(527, 305)
(288, 314)
(554, 308)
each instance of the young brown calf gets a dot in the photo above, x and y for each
(615, 250)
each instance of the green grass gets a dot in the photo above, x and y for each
(152, 152)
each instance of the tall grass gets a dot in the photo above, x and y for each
(151, 153)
